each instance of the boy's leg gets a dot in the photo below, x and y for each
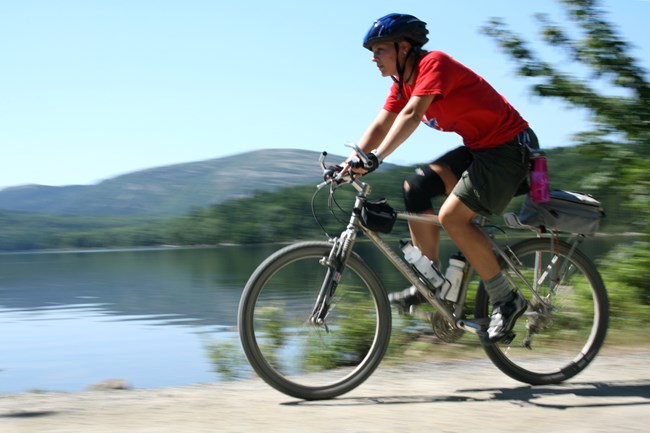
(427, 236)
(457, 219)
(437, 179)
(486, 188)
(508, 306)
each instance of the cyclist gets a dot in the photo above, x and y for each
(480, 177)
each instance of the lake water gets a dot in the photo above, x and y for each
(72, 319)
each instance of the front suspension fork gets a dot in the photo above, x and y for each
(335, 264)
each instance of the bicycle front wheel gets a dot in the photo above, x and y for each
(300, 359)
(564, 326)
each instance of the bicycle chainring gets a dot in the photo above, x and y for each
(444, 330)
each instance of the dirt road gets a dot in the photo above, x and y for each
(612, 395)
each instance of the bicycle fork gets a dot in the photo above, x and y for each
(323, 302)
(334, 263)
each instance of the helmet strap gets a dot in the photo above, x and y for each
(401, 69)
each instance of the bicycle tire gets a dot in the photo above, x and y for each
(302, 360)
(570, 336)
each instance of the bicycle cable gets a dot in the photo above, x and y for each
(331, 201)
(499, 229)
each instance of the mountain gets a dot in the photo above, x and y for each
(174, 189)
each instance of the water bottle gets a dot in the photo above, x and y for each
(424, 266)
(454, 274)
(539, 178)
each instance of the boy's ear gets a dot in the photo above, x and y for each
(404, 46)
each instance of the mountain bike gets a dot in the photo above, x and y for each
(315, 320)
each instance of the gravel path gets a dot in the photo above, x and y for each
(612, 395)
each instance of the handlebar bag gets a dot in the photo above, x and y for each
(378, 216)
(566, 211)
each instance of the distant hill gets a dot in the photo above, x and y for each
(171, 190)
(254, 197)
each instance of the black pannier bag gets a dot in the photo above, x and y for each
(378, 216)
(566, 211)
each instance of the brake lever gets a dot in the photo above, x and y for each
(362, 155)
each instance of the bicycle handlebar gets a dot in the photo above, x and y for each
(338, 178)
(345, 176)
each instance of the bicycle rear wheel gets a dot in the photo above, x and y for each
(557, 338)
(300, 359)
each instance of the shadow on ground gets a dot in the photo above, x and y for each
(561, 397)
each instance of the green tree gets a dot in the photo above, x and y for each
(616, 93)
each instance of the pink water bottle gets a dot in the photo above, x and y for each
(539, 178)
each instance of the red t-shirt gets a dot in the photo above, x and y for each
(466, 105)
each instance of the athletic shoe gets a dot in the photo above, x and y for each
(406, 300)
(503, 318)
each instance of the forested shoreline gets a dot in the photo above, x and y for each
(280, 216)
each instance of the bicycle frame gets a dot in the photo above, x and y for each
(454, 314)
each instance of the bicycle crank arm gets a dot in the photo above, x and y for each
(471, 327)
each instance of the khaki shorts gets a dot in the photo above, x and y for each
(493, 177)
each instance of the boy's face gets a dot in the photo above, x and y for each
(384, 55)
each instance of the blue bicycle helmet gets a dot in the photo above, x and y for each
(397, 27)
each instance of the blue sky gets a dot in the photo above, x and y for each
(92, 89)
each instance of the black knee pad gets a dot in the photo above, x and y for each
(423, 185)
